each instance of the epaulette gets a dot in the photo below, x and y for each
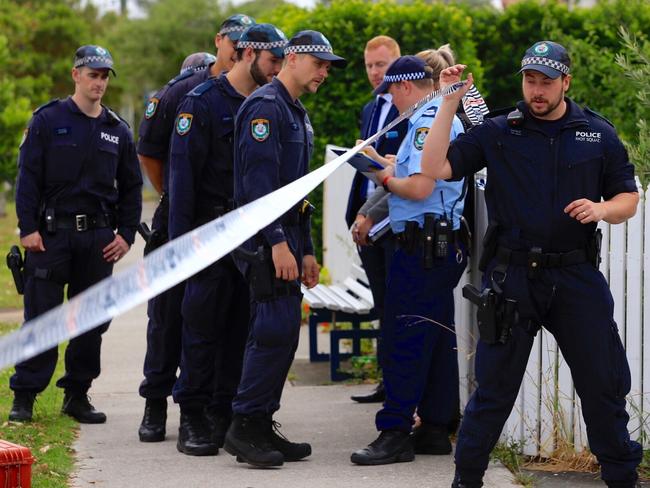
(180, 77)
(199, 90)
(430, 112)
(499, 111)
(45, 105)
(114, 118)
(597, 115)
(269, 96)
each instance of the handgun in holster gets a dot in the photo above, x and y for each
(261, 272)
(153, 238)
(15, 264)
(489, 246)
(496, 315)
(594, 247)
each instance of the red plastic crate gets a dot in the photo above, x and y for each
(15, 466)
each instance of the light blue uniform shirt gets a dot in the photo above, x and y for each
(445, 199)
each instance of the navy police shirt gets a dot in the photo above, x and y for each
(536, 169)
(78, 165)
(201, 166)
(157, 124)
(274, 142)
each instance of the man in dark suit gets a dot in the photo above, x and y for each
(362, 213)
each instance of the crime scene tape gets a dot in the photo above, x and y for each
(172, 263)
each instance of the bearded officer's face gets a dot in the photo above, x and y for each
(265, 67)
(543, 95)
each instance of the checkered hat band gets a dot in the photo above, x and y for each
(405, 76)
(261, 45)
(561, 67)
(92, 59)
(235, 28)
(308, 48)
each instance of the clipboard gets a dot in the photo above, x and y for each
(360, 161)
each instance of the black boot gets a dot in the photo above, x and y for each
(377, 396)
(152, 427)
(195, 435)
(23, 406)
(292, 451)
(431, 439)
(219, 423)
(248, 440)
(392, 446)
(77, 405)
(460, 483)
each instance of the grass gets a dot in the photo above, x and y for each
(49, 436)
(9, 298)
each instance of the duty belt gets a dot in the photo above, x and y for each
(535, 260)
(83, 222)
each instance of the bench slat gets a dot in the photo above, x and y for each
(358, 289)
(357, 306)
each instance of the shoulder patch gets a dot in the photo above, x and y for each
(597, 115)
(199, 90)
(420, 136)
(45, 105)
(152, 106)
(260, 129)
(183, 123)
(180, 77)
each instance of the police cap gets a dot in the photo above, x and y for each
(95, 57)
(316, 44)
(198, 62)
(402, 69)
(235, 25)
(547, 57)
(264, 36)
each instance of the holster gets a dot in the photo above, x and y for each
(496, 314)
(261, 275)
(153, 238)
(593, 248)
(15, 264)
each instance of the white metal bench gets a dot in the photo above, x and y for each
(350, 301)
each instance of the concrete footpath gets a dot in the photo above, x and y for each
(111, 455)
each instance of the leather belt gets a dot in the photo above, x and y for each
(540, 259)
(83, 222)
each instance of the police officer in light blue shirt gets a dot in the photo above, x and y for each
(421, 369)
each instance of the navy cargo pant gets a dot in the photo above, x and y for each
(421, 364)
(271, 346)
(72, 258)
(575, 305)
(163, 354)
(215, 327)
(376, 263)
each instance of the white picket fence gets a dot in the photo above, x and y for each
(547, 408)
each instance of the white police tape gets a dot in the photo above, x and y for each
(172, 263)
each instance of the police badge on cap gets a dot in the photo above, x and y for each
(547, 57)
(95, 57)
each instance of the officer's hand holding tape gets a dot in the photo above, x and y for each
(33, 242)
(452, 75)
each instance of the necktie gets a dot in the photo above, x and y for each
(376, 113)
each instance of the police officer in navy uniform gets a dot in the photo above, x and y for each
(554, 171)
(164, 311)
(215, 306)
(421, 367)
(78, 180)
(273, 145)
(361, 214)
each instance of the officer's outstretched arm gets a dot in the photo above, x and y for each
(434, 153)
